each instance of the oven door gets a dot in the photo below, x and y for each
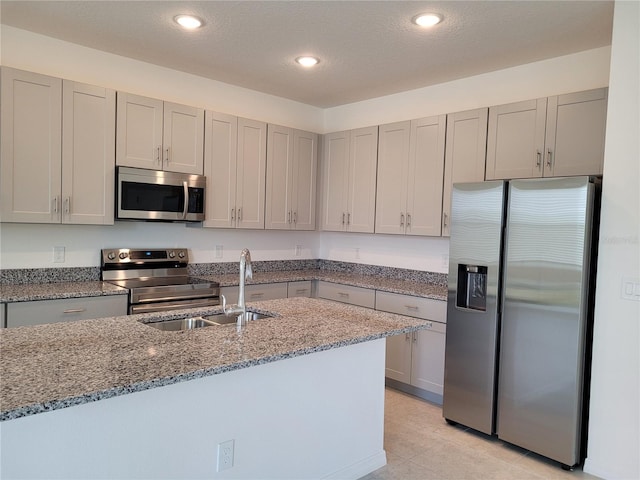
(156, 195)
(172, 305)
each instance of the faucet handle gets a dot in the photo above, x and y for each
(224, 303)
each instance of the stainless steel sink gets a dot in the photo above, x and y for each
(182, 324)
(205, 321)
(222, 319)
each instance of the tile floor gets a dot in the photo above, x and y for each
(420, 445)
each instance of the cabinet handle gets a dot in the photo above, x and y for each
(158, 148)
(343, 214)
(166, 150)
(401, 219)
(289, 217)
(240, 214)
(407, 337)
(233, 214)
(343, 295)
(408, 220)
(549, 157)
(349, 218)
(444, 222)
(295, 217)
(257, 294)
(75, 310)
(302, 290)
(411, 307)
(414, 336)
(55, 204)
(67, 205)
(538, 158)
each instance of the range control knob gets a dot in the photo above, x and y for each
(181, 254)
(123, 255)
(172, 254)
(111, 255)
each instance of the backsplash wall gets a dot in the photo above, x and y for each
(31, 245)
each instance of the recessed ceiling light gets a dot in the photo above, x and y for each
(427, 19)
(307, 61)
(188, 21)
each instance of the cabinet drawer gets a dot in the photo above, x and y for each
(299, 289)
(410, 306)
(65, 310)
(363, 297)
(255, 293)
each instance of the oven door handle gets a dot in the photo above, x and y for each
(186, 199)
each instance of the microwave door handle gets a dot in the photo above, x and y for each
(186, 200)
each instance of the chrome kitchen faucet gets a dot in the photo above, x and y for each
(245, 272)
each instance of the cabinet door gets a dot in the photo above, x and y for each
(183, 131)
(88, 153)
(305, 167)
(252, 155)
(30, 151)
(426, 172)
(280, 158)
(139, 131)
(465, 150)
(515, 140)
(393, 171)
(299, 289)
(427, 358)
(65, 310)
(363, 155)
(220, 152)
(575, 133)
(398, 358)
(335, 180)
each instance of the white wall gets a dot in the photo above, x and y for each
(30, 246)
(614, 426)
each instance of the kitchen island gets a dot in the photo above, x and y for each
(301, 395)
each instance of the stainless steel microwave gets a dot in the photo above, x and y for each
(157, 195)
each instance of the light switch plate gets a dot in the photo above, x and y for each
(58, 254)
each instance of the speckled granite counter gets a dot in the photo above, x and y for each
(393, 285)
(51, 291)
(48, 367)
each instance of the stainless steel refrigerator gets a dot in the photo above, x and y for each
(519, 311)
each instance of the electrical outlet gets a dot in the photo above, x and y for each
(58, 254)
(218, 251)
(298, 250)
(357, 253)
(225, 455)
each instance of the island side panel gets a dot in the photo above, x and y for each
(312, 416)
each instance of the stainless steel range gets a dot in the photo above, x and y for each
(157, 279)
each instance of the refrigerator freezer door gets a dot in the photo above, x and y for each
(477, 215)
(544, 316)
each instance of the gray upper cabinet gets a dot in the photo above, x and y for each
(291, 179)
(57, 157)
(349, 180)
(410, 173)
(561, 135)
(235, 163)
(159, 135)
(465, 152)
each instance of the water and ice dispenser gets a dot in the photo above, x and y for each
(472, 287)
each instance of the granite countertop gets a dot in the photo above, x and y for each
(51, 291)
(53, 366)
(406, 287)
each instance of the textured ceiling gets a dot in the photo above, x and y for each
(367, 48)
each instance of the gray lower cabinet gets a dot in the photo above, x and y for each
(302, 288)
(415, 362)
(64, 310)
(363, 297)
